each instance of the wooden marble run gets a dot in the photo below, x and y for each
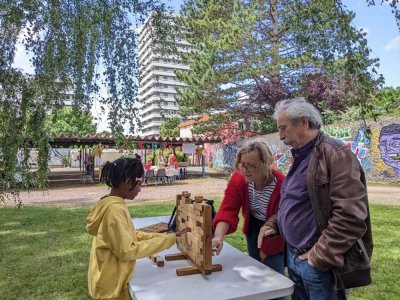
(195, 217)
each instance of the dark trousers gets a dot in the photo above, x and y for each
(275, 262)
(309, 283)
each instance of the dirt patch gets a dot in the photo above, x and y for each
(208, 187)
(89, 194)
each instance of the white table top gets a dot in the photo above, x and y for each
(242, 277)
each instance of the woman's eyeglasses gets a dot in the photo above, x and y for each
(248, 167)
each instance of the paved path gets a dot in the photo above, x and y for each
(208, 187)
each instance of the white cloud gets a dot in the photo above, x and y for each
(393, 44)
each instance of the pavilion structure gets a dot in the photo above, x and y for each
(85, 143)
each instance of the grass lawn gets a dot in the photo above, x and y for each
(44, 251)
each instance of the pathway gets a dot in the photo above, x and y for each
(208, 187)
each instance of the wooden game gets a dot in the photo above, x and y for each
(155, 228)
(195, 244)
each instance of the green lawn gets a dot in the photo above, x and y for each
(44, 251)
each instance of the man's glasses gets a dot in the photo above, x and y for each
(249, 168)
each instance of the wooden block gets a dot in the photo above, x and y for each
(199, 219)
(197, 212)
(176, 256)
(187, 271)
(198, 199)
(199, 206)
(159, 261)
(216, 268)
(186, 194)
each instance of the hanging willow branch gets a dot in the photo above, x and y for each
(73, 45)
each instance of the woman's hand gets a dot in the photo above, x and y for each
(216, 245)
(262, 255)
(265, 230)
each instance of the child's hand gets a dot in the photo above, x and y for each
(182, 232)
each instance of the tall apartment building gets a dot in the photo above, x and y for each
(157, 81)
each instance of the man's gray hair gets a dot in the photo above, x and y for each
(298, 108)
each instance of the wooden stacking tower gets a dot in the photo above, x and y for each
(196, 218)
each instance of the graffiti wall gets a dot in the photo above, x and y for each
(221, 156)
(376, 146)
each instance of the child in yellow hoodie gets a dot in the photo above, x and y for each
(116, 244)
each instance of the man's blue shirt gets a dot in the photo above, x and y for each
(296, 219)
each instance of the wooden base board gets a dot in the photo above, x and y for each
(177, 256)
(194, 270)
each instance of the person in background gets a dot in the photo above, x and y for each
(253, 188)
(87, 164)
(116, 244)
(323, 214)
(161, 160)
(172, 161)
(148, 165)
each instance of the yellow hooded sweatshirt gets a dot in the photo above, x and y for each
(116, 246)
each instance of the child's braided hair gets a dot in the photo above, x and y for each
(116, 172)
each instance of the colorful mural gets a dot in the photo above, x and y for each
(389, 145)
(283, 156)
(221, 156)
(378, 151)
(338, 133)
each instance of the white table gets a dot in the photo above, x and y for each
(241, 277)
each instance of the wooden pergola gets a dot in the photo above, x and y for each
(67, 141)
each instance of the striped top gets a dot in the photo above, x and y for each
(259, 199)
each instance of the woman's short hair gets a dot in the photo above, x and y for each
(261, 147)
(298, 108)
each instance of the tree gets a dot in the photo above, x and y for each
(70, 121)
(251, 54)
(386, 101)
(81, 45)
(169, 128)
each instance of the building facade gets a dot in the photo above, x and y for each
(157, 81)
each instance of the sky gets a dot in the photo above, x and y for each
(377, 21)
(383, 35)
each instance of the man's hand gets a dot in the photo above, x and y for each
(264, 231)
(303, 256)
(216, 244)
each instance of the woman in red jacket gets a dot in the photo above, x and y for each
(255, 188)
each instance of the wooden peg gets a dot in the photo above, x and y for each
(159, 261)
(198, 199)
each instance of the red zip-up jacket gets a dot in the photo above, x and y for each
(237, 197)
